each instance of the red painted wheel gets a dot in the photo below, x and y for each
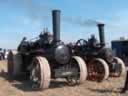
(98, 70)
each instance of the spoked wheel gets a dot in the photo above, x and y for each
(80, 73)
(98, 70)
(14, 63)
(119, 67)
(40, 74)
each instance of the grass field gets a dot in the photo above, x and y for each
(110, 87)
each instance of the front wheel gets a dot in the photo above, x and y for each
(40, 73)
(119, 67)
(80, 73)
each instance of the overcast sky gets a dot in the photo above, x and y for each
(20, 18)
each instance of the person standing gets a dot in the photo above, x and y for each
(125, 88)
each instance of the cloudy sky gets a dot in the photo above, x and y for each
(20, 18)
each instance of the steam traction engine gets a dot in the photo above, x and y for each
(47, 58)
(99, 58)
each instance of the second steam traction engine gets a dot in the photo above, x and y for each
(99, 58)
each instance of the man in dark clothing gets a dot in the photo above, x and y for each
(126, 84)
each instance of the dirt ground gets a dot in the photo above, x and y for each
(110, 87)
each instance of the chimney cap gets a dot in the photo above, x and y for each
(100, 24)
(56, 10)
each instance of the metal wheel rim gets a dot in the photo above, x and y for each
(42, 80)
(81, 76)
(121, 67)
(97, 70)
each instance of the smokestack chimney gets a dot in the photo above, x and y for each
(56, 25)
(101, 33)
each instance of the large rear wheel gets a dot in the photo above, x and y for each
(40, 74)
(98, 70)
(80, 74)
